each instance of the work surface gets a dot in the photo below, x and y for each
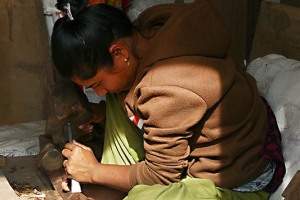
(22, 179)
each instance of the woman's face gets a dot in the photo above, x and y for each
(115, 80)
(118, 78)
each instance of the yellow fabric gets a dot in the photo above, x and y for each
(123, 140)
(189, 189)
(123, 145)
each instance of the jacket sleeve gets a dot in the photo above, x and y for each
(169, 112)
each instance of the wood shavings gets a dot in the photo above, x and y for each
(26, 190)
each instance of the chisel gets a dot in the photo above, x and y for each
(75, 185)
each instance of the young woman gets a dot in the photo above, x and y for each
(182, 122)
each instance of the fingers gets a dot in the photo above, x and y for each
(64, 185)
(65, 163)
(67, 169)
(71, 147)
(66, 152)
(80, 145)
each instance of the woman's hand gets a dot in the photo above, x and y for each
(80, 162)
(82, 165)
(99, 112)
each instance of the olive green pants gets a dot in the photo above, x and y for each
(123, 145)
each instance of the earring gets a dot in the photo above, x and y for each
(127, 60)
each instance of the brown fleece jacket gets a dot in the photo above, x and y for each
(202, 116)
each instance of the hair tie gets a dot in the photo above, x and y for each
(66, 11)
(69, 13)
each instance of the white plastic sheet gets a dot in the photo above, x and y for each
(21, 139)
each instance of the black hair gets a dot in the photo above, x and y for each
(80, 47)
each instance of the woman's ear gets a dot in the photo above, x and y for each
(118, 50)
(120, 56)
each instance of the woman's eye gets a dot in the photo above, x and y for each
(93, 85)
(97, 85)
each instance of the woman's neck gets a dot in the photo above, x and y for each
(140, 43)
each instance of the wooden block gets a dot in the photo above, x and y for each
(44, 140)
(56, 178)
(2, 161)
(49, 159)
(277, 31)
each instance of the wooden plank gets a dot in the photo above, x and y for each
(23, 169)
(26, 69)
(292, 191)
(2, 161)
(22, 177)
(277, 31)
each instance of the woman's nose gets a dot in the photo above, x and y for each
(100, 91)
